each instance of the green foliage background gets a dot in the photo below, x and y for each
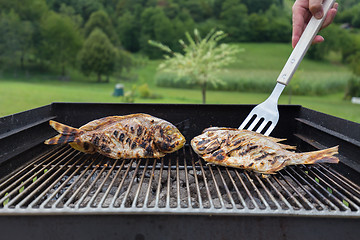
(49, 40)
(45, 33)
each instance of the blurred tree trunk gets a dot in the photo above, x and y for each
(203, 90)
(22, 61)
(63, 70)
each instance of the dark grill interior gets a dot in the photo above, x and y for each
(47, 181)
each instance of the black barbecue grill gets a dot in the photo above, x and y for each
(49, 189)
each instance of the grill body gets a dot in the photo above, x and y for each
(178, 196)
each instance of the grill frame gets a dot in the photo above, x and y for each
(21, 141)
(312, 130)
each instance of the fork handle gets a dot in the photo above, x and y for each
(303, 45)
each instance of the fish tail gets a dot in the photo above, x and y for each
(67, 134)
(321, 156)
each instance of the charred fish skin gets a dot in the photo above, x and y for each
(131, 136)
(253, 151)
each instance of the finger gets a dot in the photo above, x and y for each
(330, 16)
(299, 18)
(318, 39)
(299, 27)
(315, 7)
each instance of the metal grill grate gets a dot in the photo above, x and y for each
(64, 180)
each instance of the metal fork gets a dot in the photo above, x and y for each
(266, 114)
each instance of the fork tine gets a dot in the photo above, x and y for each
(272, 126)
(261, 127)
(246, 121)
(253, 124)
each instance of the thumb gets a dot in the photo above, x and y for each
(316, 9)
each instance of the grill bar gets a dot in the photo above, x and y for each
(117, 193)
(238, 194)
(140, 183)
(92, 200)
(61, 202)
(63, 185)
(188, 204)
(146, 200)
(200, 202)
(247, 191)
(289, 195)
(64, 179)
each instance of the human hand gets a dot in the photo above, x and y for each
(303, 10)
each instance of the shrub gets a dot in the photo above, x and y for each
(145, 92)
(262, 82)
(353, 88)
(355, 63)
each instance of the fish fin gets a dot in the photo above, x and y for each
(96, 124)
(289, 147)
(268, 137)
(67, 134)
(275, 139)
(105, 121)
(209, 129)
(322, 156)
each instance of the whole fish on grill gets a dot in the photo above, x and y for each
(253, 151)
(131, 136)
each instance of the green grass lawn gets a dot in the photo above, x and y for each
(16, 96)
(264, 60)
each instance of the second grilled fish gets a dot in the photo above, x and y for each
(131, 136)
(253, 151)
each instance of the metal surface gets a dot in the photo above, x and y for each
(177, 227)
(264, 117)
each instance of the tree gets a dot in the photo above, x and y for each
(199, 10)
(29, 15)
(128, 31)
(155, 25)
(15, 37)
(332, 43)
(217, 6)
(350, 15)
(202, 58)
(235, 19)
(70, 12)
(60, 40)
(27, 10)
(85, 7)
(97, 55)
(279, 28)
(256, 6)
(259, 28)
(101, 20)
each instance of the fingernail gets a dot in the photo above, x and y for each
(319, 15)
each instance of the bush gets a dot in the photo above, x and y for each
(145, 92)
(331, 43)
(262, 82)
(353, 88)
(355, 63)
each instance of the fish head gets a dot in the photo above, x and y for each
(205, 143)
(168, 138)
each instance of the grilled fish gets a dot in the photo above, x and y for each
(253, 151)
(131, 136)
